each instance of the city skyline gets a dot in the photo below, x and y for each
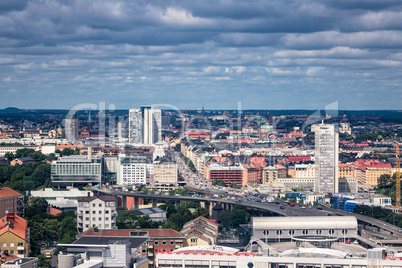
(268, 55)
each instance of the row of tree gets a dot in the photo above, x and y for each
(47, 228)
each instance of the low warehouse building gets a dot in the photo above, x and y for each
(311, 229)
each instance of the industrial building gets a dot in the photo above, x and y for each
(312, 229)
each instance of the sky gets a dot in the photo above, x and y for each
(263, 54)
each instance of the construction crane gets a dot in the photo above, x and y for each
(397, 173)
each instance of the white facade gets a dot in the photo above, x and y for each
(96, 212)
(145, 125)
(326, 158)
(132, 170)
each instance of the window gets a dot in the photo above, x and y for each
(100, 225)
(100, 205)
(93, 212)
(172, 242)
(93, 218)
(100, 211)
(87, 212)
(164, 243)
(107, 212)
(100, 218)
(344, 231)
(278, 232)
(331, 231)
(106, 218)
(20, 244)
(318, 232)
(4, 245)
(156, 243)
(11, 245)
(305, 231)
(265, 232)
(87, 218)
(291, 232)
(194, 240)
(106, 225)
(93, 205)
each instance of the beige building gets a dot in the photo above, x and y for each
(14, 235)
(200, 231)
(269, 175)
(304, 171)
(165, 172)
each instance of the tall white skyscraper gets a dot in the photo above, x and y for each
(145, 125)
(326, 158)
(71, 130)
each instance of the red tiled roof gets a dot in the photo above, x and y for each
(18, 227)
(54, 211)
(8, 192)
(380, 166)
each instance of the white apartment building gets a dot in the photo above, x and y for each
(132, 170)
(145, 125)
(326, 158)
(94, 211)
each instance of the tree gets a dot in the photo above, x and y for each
(10, 156)
(200, 211)
(43, 263)
(126, 221)
(384, 181)
(170, 225)
(39, 203)
(217, 182)
(177, 148)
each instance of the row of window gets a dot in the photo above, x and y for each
(164, 242)
(309, 265)
(305, 232)
(94, 218)
(13, 245)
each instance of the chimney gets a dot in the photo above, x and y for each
(89, 153)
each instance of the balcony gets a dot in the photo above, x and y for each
(20, 248)
(80, 214)
(150, 246)
(80, 222)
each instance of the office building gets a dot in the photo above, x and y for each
(96, 212)
(145, 126)
(77, 171)
(71, 130)
(326, 158)
(132, 170)
(11, 202)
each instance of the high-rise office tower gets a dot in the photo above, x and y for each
(326, 158)
(145, 125)
(71, 130)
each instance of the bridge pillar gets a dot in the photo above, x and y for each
(177, 203)
(136, 203)
(124, 201)
(207, 206)
(154, 203)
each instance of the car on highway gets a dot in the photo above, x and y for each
(319, 208)
(282, 207)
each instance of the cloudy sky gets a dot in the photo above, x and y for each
(267, 54)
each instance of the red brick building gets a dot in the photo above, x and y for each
(11, 201)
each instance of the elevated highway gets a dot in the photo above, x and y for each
(275, 209)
